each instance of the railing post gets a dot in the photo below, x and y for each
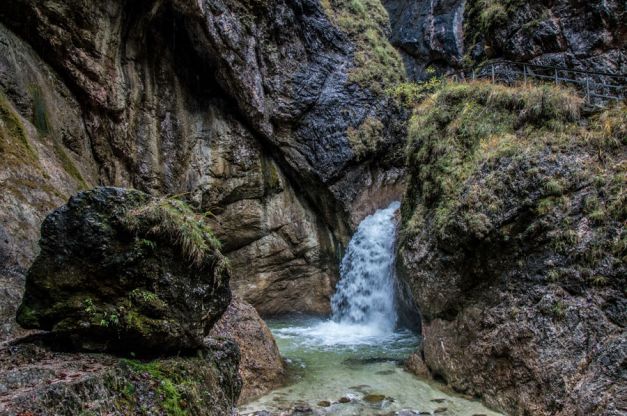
(556, 78)
(588, 89)
(493, 78)
(525, 73)
(474, 74)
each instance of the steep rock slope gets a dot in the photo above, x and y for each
(234, 104)
(44, 161)
(513, 243)
(447, 35)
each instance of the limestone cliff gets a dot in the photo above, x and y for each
(264, 114)
(447, 35)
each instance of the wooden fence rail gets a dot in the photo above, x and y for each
(599, 87)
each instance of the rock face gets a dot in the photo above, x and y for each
(35, 381)
(513, 245)
(428, 33)
(261, 366)
(43, 158)
(120, 271)
(445, 35)
(265, 109)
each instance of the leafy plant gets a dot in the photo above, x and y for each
(110, 320)
(89, 307)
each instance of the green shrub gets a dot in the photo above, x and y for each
(364, 139)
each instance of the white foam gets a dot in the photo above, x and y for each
(331, 333)
(365, 292)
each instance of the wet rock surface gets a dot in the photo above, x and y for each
(261, 366)
(121, 271)
(37, 381)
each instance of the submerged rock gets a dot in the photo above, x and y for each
(261, 365)
(374, 398)
(122, 271)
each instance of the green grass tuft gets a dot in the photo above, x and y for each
(173, 219)
(378, 65)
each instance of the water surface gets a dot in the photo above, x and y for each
(351, 364)
(329, 362)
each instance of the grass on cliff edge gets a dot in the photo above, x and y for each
(459, 127)
(174, 219)
(378, 65)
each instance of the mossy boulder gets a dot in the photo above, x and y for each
(122, 271)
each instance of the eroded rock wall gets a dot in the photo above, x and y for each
(250, 110)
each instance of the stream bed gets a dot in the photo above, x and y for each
(351, 364)
(341, 369)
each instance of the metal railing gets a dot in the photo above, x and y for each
(599, 87)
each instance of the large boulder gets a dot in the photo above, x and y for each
(261, 366)
(122, 271)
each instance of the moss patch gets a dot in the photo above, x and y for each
(68, 164)
(364, 139)
(14, 144)
(378, 65)
(463, 125)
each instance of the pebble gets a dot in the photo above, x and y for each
(374, 398)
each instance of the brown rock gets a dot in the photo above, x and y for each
(416, 365)
(261, 365)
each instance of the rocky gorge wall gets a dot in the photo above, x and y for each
(277, 121)
(513, 244)
(448, 35)
(250, 110)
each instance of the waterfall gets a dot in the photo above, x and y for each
(365, 292)
(363, 306)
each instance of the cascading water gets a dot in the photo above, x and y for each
(349, 364)
(365, 292)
